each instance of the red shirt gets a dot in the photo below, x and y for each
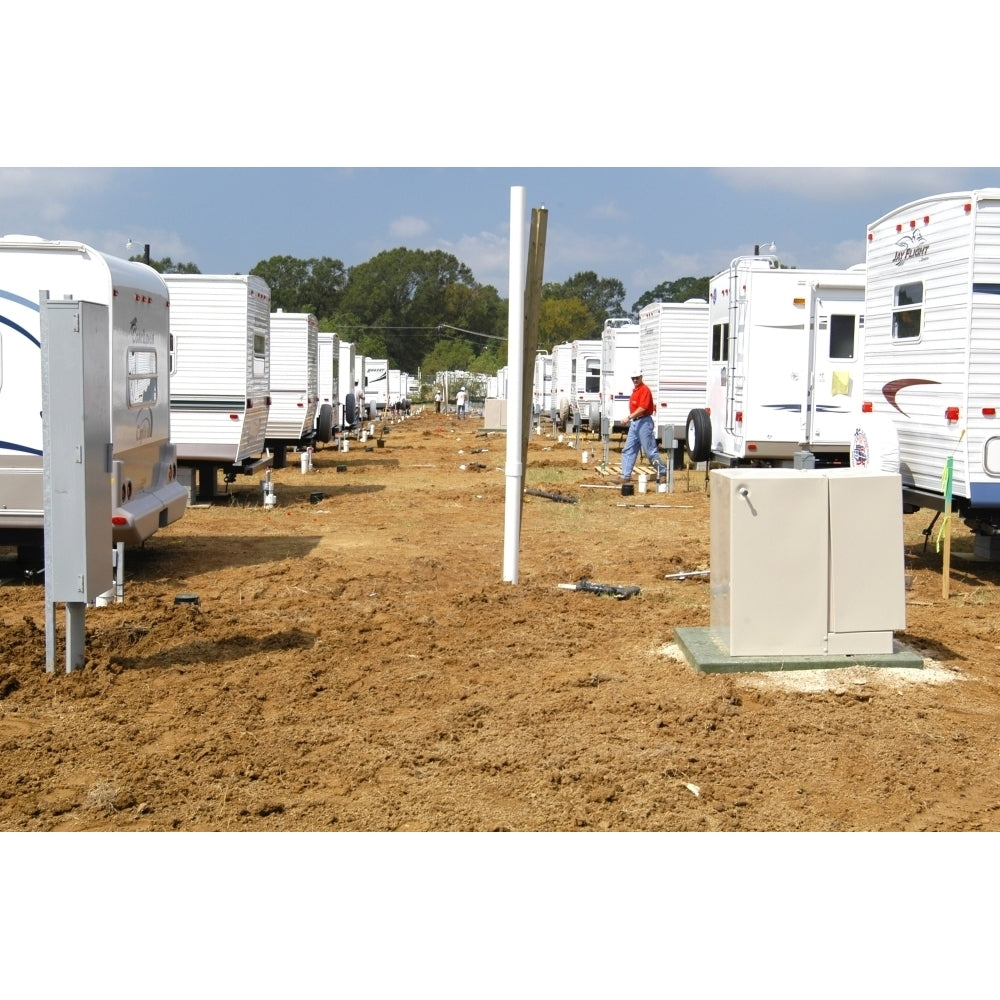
(641, 396)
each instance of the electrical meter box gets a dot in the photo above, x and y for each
(76, 404)
(806, 561)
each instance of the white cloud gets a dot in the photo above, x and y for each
(408, 227)
(28, 195)
(486, 254)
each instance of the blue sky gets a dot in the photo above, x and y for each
(640, 225)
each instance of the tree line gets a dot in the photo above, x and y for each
(424, 309)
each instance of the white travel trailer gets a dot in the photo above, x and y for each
(145, 492)
(376, 385)
(541, 386)
(360, 408)
(932, 355)
(327, 385)
(220, 374)
(562, 383)
(294, 387)
(619, 359)
(347, 398)
(784, 365)
(673, 346)
(585, 378)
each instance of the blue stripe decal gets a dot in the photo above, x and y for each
(20, 300)
(985, 494)
(11, 446)
(986, 288)
(20, 329)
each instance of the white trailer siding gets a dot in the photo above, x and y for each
(376, 384)
(585, 378)
(619, 359)
(541, 384)
(934, 366)
(327, 371)
(673, 356)
(785, 360)
(220, 330)
(345, 386)
(294, 385)
(145, 493)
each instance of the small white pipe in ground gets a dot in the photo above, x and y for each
(514, 470)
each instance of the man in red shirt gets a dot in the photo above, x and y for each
(641, 430)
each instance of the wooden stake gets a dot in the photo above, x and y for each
(946, 527)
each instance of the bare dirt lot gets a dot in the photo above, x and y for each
(359, 664)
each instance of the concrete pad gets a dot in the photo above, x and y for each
(707, 651)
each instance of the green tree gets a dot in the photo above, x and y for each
(679, 290)
(603, 297)
(165, 265)
(409, 296)
(563, 320)
(314, 285)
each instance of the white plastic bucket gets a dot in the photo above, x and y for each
(643, 482)
(585, 457)
(304, 461)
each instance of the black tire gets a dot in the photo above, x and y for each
(698, 436)
(324, 423)
(350, 410)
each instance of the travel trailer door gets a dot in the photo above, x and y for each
(836, 330)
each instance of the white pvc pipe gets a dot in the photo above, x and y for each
(515, 388)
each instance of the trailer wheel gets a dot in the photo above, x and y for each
(324, 423)
(698, 436)
(350, 410)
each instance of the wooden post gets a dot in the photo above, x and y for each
(946, 527)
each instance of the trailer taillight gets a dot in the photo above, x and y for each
(951, 414)
(989, 411)
(866, 407)
(117, 520)
(739, 416)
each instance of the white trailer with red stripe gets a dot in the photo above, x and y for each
(784, 365)
(145, 492)
(932, 350)
(673, 346)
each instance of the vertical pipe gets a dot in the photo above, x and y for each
(514, 469)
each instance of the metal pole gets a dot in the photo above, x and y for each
(514, 470)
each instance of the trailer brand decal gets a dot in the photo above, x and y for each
(890, 389)
(144, 425)
(912, 246)
(138, 336)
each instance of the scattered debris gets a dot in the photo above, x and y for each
(694, 790)
(552, 496)
(610, 589)
(687, 573)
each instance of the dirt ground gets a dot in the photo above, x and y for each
(359, 664)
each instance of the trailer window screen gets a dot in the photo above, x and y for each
(720, 342)
(842, 337)
(259, 349)
(906, 310)
(593, 380)
(142, 380)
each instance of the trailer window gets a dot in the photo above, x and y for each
(842, 337)
(593, 382)
(171, 355)
(720, 342)
(142, 380)
(259, 348)
(907, 311)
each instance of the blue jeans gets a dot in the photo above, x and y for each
(641, 434)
